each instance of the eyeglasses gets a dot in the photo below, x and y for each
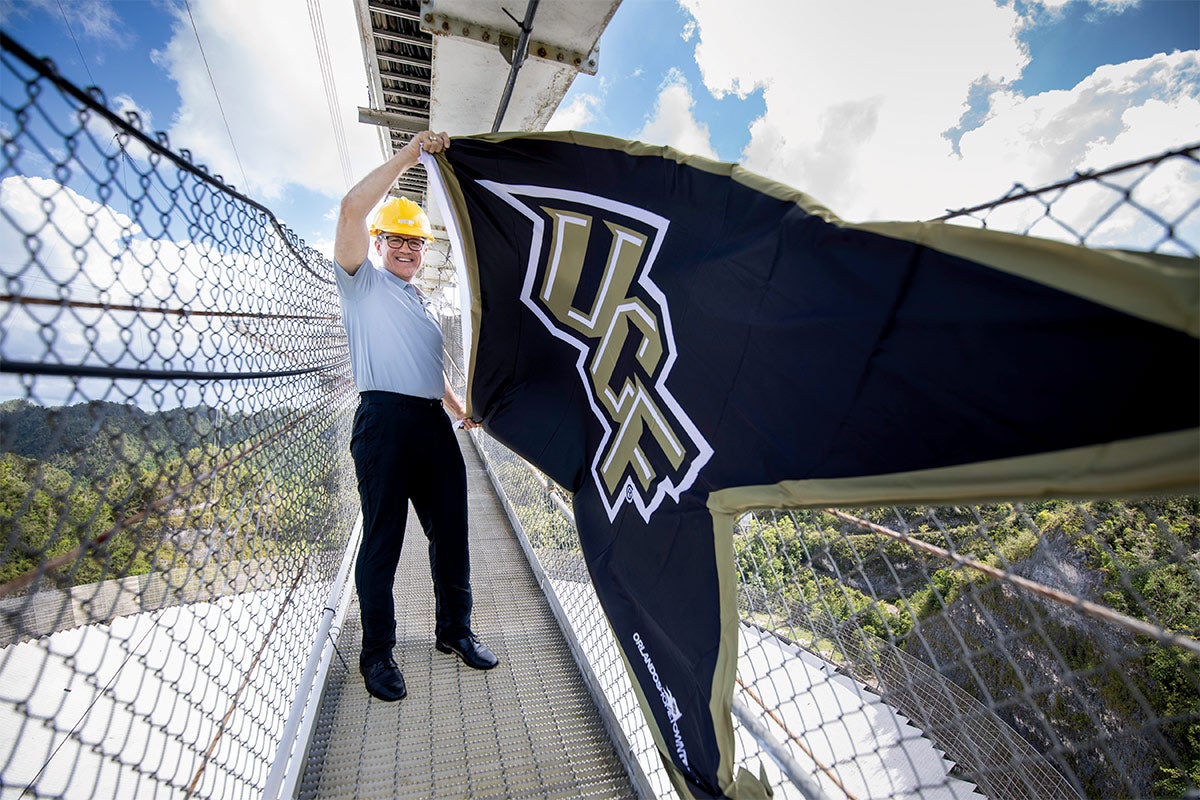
(398, 242)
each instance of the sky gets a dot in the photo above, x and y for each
(878, 109)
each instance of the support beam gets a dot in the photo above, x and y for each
(403, 95)
(404, 38)
(405, 61)
(442, 25)
(398, 13)
(400, 76)
(393, 119)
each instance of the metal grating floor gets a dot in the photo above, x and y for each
(526, 729)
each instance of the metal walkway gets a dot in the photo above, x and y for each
(526, 729)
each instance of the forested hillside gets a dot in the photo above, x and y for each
(137, 491)
(142, 492)
(1137, 558)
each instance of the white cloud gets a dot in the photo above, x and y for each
(859, 95)
(673, 122)
(57, 244)
(123, 105)
(89, 252)
(99, 20)
(96, 19)
(1119, 113)
(126, 108)
(264, 63)
(1046, 138)
(323, 245)
(86, 252)
(1101, 5)
(576, 115)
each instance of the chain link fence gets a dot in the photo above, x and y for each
(174, 414)
(176, 498)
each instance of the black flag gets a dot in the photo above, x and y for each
(678, 341)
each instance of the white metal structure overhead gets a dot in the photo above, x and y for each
(446, 65)
(471, 40)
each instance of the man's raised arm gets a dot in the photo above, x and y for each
(352, 241)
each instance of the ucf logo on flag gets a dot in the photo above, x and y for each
(588, 281)
(678, 341)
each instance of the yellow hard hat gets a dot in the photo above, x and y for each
(403, 216)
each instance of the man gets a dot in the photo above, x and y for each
(403, 443)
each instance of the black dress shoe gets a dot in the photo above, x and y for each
(469, 649)
(384, 680)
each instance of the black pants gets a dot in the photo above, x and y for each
(404, 449)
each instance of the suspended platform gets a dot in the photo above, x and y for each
(526, 729)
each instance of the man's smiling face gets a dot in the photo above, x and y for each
(402, 255)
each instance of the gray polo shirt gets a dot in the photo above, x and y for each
(395, 339)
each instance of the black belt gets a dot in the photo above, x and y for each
(396, 399)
